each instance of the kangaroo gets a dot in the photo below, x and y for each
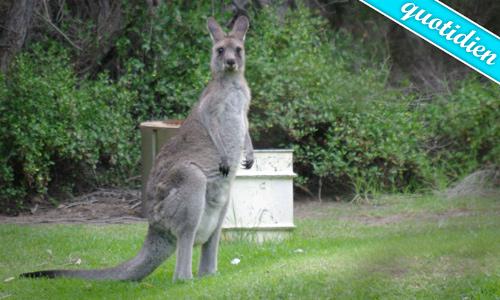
(187, 193)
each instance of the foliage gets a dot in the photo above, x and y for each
(330, 100)
(324, 92)
(56, 129)
(346, 126)
(166, 58)
(463, 129)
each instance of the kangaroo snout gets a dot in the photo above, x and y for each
(230, 64)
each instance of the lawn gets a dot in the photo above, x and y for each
(395, 247)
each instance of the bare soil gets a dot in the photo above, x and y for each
(120, 206)
(104, 206)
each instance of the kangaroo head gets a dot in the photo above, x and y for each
(228, 52)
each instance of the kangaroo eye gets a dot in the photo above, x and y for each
(238, 50)
(220, 50)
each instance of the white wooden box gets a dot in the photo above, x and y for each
(262, 197)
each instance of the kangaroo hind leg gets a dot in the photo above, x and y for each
(190, 192)
(209, 250)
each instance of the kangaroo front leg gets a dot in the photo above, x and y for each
(209, 250)
(248, 159)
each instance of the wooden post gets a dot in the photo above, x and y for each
(154, 134)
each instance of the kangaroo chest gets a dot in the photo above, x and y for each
(231, 114)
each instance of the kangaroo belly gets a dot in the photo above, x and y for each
(207, 226)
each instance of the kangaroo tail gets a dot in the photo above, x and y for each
(158, 246)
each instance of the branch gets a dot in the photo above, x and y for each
(47, 19)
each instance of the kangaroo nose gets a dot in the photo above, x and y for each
(230, 62)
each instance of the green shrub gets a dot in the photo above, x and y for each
(313, 89)
(312, 92)
(166, 58)
(463, 129)
(320, 91)
(56, 129)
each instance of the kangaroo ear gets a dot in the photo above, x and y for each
(240, 28)
(215, 30)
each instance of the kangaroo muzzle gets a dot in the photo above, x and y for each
(230, 65)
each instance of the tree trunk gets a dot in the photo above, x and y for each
(18, 20)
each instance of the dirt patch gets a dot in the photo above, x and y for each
(309, 209)
(119, 206)
(104, 206)
(379, 220)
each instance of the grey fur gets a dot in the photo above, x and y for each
(188, 191)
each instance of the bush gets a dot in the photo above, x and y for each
(56, 129)
(463, 131)
(166, 58)
(317, 91)
(312, 92)
(322, 92)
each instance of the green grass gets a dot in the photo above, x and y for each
(397, 247)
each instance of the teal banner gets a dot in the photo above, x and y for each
(448, 30)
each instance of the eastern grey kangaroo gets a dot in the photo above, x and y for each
(188, 190)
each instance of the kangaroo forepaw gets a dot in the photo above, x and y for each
(247, 163)
(224, 167)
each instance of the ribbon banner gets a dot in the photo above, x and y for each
(448, 30)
